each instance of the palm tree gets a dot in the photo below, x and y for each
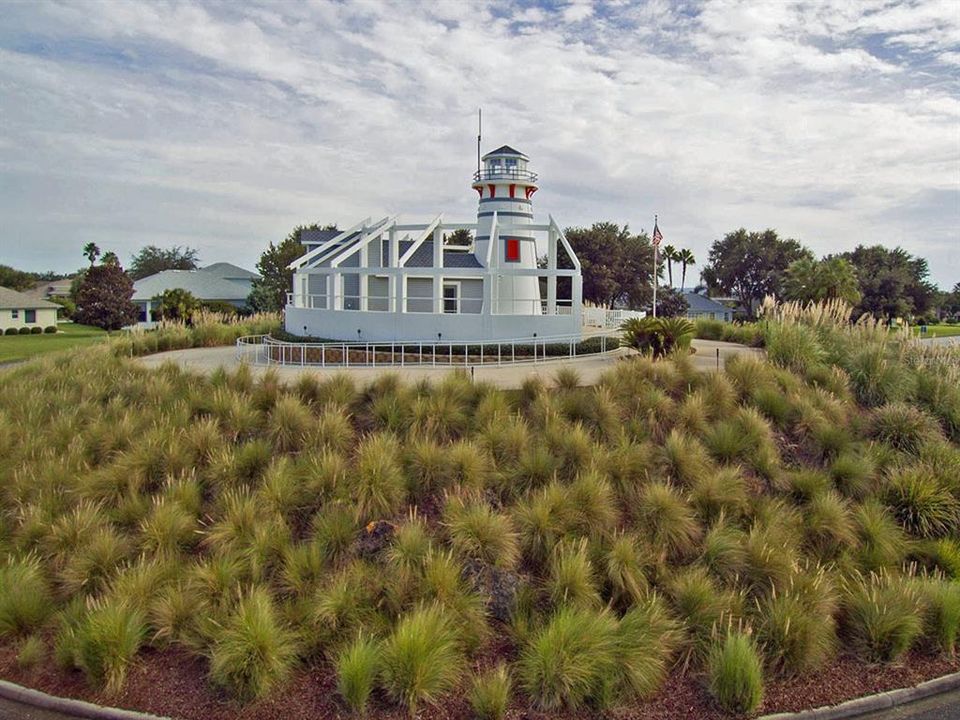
(92, 252)
(685, 258)
(669, 254)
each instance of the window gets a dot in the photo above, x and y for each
(15, 314)
(30, 316)
(451, 298)
(513, 250)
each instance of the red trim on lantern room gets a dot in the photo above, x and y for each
(513, 191)
(513, 250)
(530, 190)
(493, 190)
(479, 189)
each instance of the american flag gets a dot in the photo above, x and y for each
(657, 236)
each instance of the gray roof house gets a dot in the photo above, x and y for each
(700, 306)
(221, 282)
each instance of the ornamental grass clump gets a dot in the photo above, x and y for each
(921, 505)
(477, 532)
(572, 580)
(735, 673)
(904, 427)
(26, 600)
(252, 650)
(570, 659)
(376, 487)
(881, 615)
(105, 641)
(422, 659)
(356, 668)
(490, 693)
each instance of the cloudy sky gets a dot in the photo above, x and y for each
(220, 125)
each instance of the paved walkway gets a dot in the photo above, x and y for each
(939, 707)
(206, 360)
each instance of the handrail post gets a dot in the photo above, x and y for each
(346, 356)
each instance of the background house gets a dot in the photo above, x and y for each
(220, 282)
(19, 310)
(700, 306)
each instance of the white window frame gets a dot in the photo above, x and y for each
(456, 285)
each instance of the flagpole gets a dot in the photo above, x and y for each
(655, 249)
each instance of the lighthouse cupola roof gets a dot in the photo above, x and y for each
(505, 151)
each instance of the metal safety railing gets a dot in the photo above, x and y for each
(266, 350)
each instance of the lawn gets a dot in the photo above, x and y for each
(937, 331)
(23, 347)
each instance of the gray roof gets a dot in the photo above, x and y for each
(423, 257)
(229, 271)
(701, 303)
(220, 281)
(13, 300)
(317, 237)
(505, 150)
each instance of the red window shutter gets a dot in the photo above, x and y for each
(513, 250)
(513, 190)
(493, 190)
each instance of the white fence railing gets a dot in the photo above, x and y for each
(266, 350)
(609, 319)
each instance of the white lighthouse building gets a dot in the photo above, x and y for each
(392, 281)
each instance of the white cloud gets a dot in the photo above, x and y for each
(221, 126)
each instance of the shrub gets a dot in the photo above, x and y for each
(881, 615)
(25, 598)
(659, 336)
(10, 331)
(106, 641)
(490, 693)
(50, 329)
(422, 658)
(356, 667)
(736, 674)
(24, 331)
(904, 427)
(253, 650)
(570, 659)
(36, 330)
(877, 378)
(920, 504)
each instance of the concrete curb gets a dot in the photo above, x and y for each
(873, 703)
(72, 708)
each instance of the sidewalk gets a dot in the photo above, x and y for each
(206, 360)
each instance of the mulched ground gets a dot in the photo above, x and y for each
(171, 682)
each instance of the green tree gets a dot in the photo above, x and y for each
(751, 265)
(616, 265)
(152, 259)
(669, 253)
(91, 251)
(176, 304)
(686, 258)
(103, 298)
(15, 279)
(461, 237)
(893, 283)
(809, 280)
(269, 293)
(670, 303)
